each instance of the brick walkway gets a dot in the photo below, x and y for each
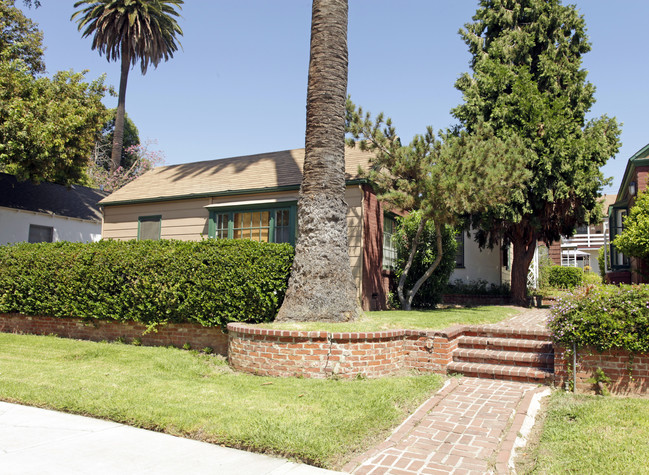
(469, 427)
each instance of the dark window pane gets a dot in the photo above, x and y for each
(459, 253)
(150, 228)
(40, 233)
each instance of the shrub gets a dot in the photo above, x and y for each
(565, 277)
(208, 282)
(604, 261)
(430, 293)
(605, 317)
(477, 287)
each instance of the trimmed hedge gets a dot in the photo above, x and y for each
(605, 317)
(565, 277)
(211, 282)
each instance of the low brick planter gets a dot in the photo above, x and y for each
(174, 334)
(320, 354)
(629, 374)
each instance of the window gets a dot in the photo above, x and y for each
(40, 233)
(148, 227)
(459, 253)
(263, 224)
(389, 244)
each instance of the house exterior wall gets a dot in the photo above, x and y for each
(188, 219)
(480, 264)
(14, 227)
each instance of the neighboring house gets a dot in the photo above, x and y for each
(473, 264)
(252, 197)
(48, 212)
(582, 248)
(636, 175)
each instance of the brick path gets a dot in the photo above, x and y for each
(469, 427)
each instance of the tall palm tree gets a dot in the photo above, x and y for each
(321, 286)
(130, 30)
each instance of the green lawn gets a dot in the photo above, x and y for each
(592, 434)
(436, 319)
(322, 422)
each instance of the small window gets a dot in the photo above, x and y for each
(264, 225)
(459, 252)
(149, 228)
(40, 233)
(389, 244)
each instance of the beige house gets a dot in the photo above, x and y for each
(251, 197)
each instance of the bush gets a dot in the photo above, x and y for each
(478, 287)
(604, 261)
(211, 282)
(430, 293)
(605, 317)
(565, 277)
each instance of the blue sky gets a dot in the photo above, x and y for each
(238, 87)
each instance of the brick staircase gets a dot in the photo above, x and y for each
(504, 353)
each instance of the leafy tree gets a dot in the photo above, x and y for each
(443, 179)
(634, 239)
(527, 80)
(20, 38)
(431, 290)
(132, 30)
(48, 126)
(321, 286)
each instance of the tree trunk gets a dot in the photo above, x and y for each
(118, 132)
(524, 243)
(321, 286)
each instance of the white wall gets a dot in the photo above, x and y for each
(479, 264)
(14, 227)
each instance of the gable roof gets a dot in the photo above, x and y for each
(237, 175)
(75, 202)
(638, 159)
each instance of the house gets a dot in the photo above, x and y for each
(252, 197)
(624, 269)
(473, 264)
(48, 212)
(582, 248)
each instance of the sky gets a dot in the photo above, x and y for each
(238, 85)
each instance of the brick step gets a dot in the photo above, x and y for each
(505, 344)
(494, 371)
(503, 332)
(544, 361)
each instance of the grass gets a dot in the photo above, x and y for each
(322, 422)
(592, 434)
(436, 319)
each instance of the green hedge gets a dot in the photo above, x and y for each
(565, 277)
(211, 282)
(605, 317)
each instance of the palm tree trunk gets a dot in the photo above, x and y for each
(118, 133)
(321, 286)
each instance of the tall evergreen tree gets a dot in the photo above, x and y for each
(321, 286)
(528, 80)
(132, 30)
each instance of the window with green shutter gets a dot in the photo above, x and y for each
(263, 223)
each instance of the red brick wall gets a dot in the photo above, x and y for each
(174, 334)
(346, 355)
(628, 375)
(466, 299)
(374, 296)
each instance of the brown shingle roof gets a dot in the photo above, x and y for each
(228, 175)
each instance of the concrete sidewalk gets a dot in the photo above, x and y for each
(39, 441)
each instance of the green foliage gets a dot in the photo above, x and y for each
(477, 287)
(603, 261)
(441, 178)
(20, 38)
(48, 126)
(606, 317)
(153, 282)
(634, 239)
(528, 81)
(565, 277)
(431, 291)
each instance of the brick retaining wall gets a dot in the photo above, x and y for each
(320, 354)
(628, 375)
(470, 299)
(174, 334)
